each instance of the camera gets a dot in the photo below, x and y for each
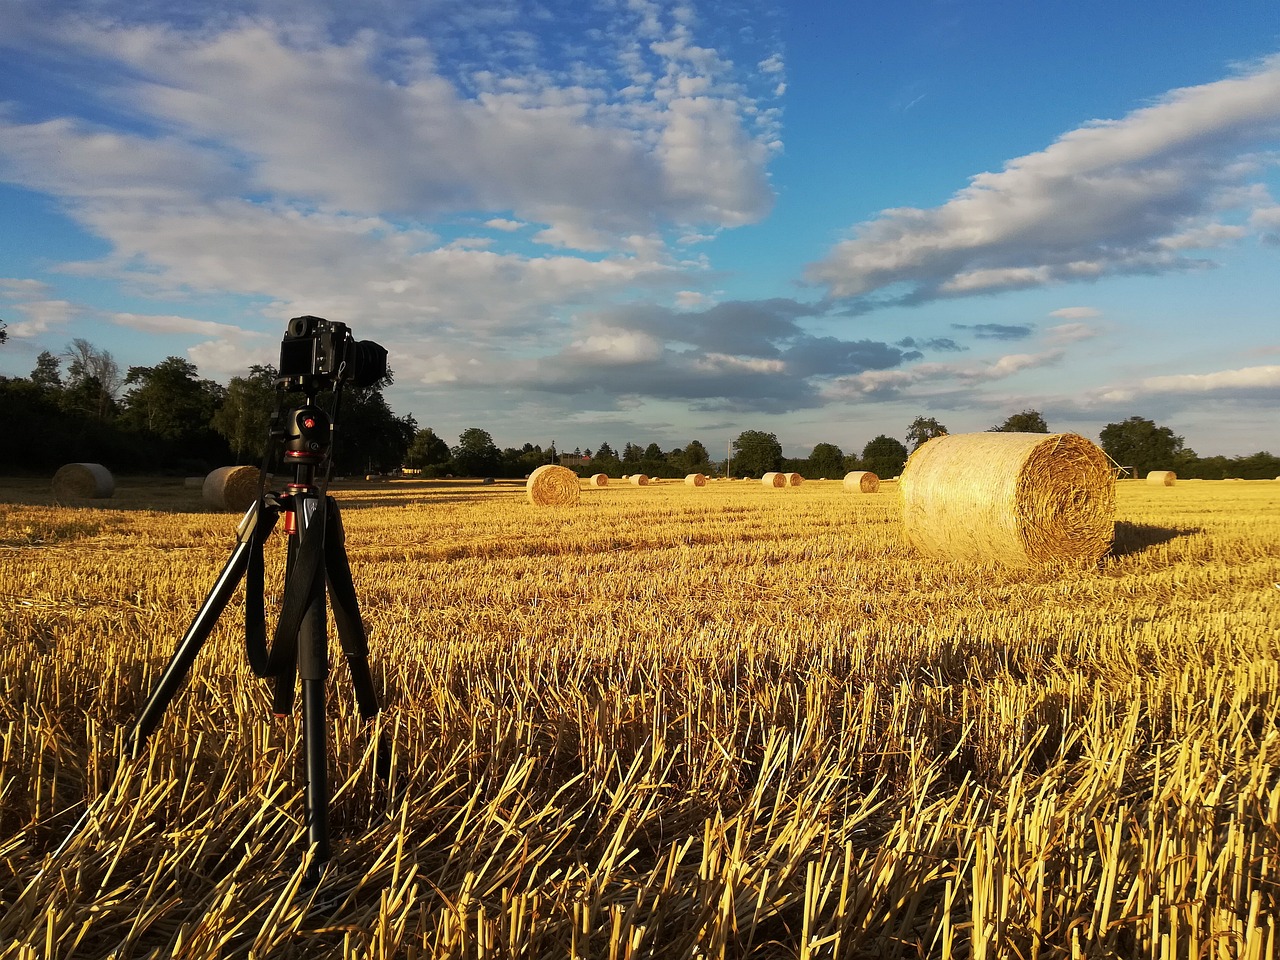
(316, 352)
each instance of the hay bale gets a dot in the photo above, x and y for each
(1018, 498)
(793, 479)
(639, 480)
(553, 486)
(861, 481)
(487, 481)
(1162, 478)
(599, 480)
(83, 481)
(231, 488)
(772, 479)
(695, 480)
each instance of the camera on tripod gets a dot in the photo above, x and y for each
(316, 353)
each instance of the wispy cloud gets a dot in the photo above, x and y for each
(1114, 197)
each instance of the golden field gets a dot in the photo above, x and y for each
(669, 722)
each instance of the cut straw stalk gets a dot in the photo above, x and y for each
(553, 486)
(83, 481)
(1017, 498)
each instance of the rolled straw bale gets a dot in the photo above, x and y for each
(1161, 478)
(861, 481)
(793, 479)
(552, 485)
(1018, 498)
(773, 479)
(599, 480)
(487, 481)
(231, 488)
(83, 481)
(640, 479)
(695, 480)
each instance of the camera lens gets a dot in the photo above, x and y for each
(366, 362)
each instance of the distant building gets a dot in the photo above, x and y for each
(570, 460)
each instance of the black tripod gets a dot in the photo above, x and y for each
(316, 558)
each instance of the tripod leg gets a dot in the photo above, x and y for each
(351, 632)
(189, 646)
(313, 669)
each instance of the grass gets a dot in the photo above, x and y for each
(670, 722)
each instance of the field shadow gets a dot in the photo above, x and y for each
(1133, 538)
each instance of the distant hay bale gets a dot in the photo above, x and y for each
(231, 488)
(83, 481)
(774, 479)
(553, 486)
(487, 481)
(861, 481)
(599, 480)
(1018, 498)
(695, 480)
(1162, 478)
(793, 479)
(639, 480)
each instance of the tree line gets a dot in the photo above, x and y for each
(80, 406)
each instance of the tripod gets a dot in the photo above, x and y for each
(316, 558)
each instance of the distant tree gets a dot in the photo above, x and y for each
(476, 455)
(604, 452)
(170, 401)
(1028, 421)
(884, 456)
(652, 452)
(1139, 443)
(93, 381)
(922, 429)
(427, 451)
(756, 453)
(4, 334)
(244, 417)
(631, 453)
(47, 374)
(826, 460)
(696, 455)
(369, 437)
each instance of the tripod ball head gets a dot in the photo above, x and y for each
(307, 434)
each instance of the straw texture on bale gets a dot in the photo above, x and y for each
(1016, 498)
(83, 481)
(773, 479)
(793, 479)
(1162, 478)
(695, 480)
(231, 488)
(640, 479)
(599, 480)
(861, 481)
(553, 486)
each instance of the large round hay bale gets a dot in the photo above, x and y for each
(231, 488)
(695, 480)
(553, 486)
(1018, 498)
(861, 481)
(1162, 478)
(83, 481)
(599, 480)
(773, 479)
(640, 479)
(793, 479)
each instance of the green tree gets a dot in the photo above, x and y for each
(370, 437)
(4, 334)
(47, 374)
(244, 417)
(93, 381)
(696, 455)
(755, 453)
(631, 453)
(476, 455)
(1138, 443)
(170, 401)
(884, 456)
(427, 451)
(826, 460)
(605, 452)
(1028, 421)
(923, 429)
(652, 452)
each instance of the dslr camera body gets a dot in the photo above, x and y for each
(317, 353)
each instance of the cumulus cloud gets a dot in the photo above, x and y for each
(996, 331)
(1246, 383)
(1112, 197)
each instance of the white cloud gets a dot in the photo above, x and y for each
(936, 378)
(1246, 378)
(1065, 333)
(1076, 313)
(507, 226)
(1111, 197)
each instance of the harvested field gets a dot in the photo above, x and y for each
(671, 722)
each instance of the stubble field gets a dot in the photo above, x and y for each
(669, 722)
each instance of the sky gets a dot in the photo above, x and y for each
(664, 220)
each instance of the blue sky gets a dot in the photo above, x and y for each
(652, 221)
